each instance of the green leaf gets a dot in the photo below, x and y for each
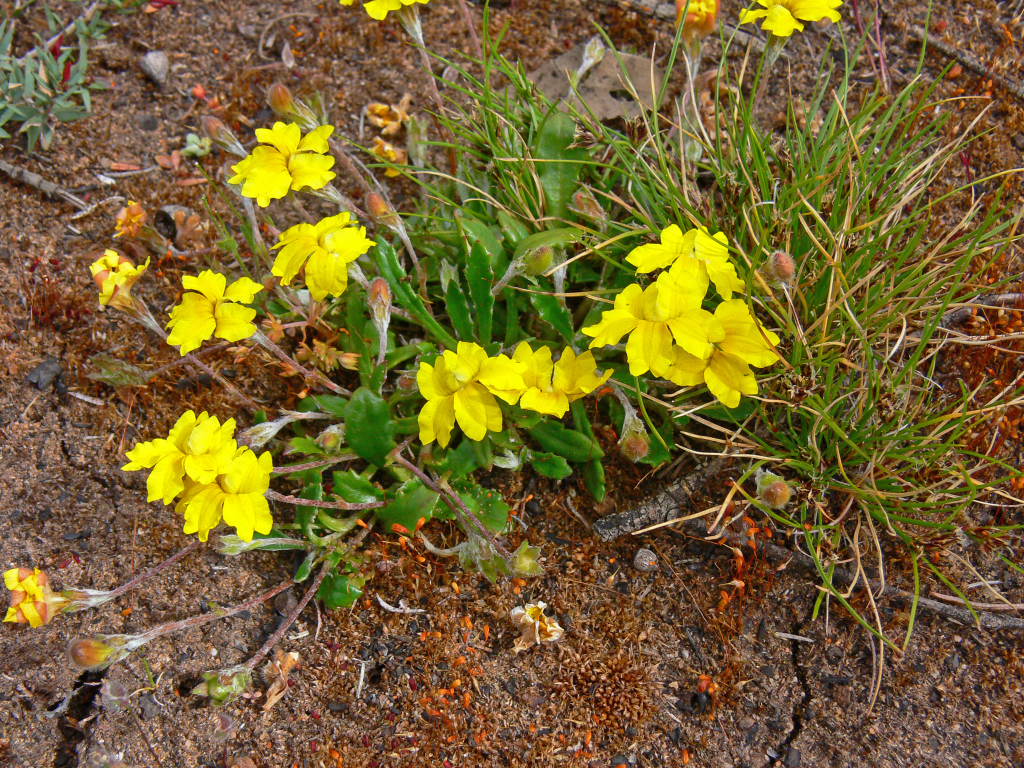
(551, 465)
(355, 488)
(117, 373)
(306, 566)
(478, 233)
(593, 480)
(552, 238)
(305, 515)
(552, 436)
(413, 501)
(332, 404)
(487, 505)
(480, 279)
(513, 229)
(558, 166)
(458, 462)
(455, 302)
(369, 429)
(305, 445)
(554, 313)
(340, 590)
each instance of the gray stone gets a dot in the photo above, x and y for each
(155, 66)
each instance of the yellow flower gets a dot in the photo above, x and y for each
(389, 117)
(697, 253)
(291, 162)
(210, 311)
(534, 626)
(551, 387)
(461, 386)
(197, 447)
(330, 245)
(115, 275)
(727, 371)
(782, 17)
(236, 496)
(32, 602)
(700, 17)
(652, 317)
(386, 151)
(130, 220)
(379, 9)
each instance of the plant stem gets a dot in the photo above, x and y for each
(275, 496)
(195, 621)
(275, 638)
(288, 469)
(477, 49)
(202, 352)
(260, 338)
(154, 570)
(457, 507)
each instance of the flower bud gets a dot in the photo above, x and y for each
(224, 686)
(331, 438)
(537, 261)
(379, 299)
(222, 136)
(772, 490)
(129, 220)
(585, 204)
(380, 211)
(91, 653)
(198, 92)
(259, 435)
(634, 442)
(280, 100)
(779, 269)
(349, 361)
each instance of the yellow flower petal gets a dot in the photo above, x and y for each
(234, 322)
(192, 322)
(243, 290)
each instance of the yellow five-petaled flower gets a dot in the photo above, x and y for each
(783, 17)
(330, 245)
(236, 495)
(289, 163)
(667, 309)
(461, 386)
(727, 371)
(212, 308)
(551, 387)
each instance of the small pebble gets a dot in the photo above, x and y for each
(155, 66)
(645, 561)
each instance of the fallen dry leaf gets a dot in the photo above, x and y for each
(276, 675)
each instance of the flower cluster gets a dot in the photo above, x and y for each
(201, 463)
(329, 245)
(115, 275)
(672, 335)
(211, 307)
(290, 163)
(461, 386)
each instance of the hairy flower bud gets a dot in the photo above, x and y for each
(280, 100)
(259, 435)
(221, 135)
(380, 212)
(90, 653)
(634, 442)
(584, 204)
(779, 269)
(379, 299)
(772, 490)
(331, 438)
(537, 261)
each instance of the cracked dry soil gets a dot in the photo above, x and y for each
(443, 687)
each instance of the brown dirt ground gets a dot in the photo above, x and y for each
(443, 687)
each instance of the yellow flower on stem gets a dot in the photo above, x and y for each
(654, 316)
(197, 447)
(32, 602)
(130, 220)
(236, 496)
(211, 309)
(727, 371)
(289, 163)
(387, 151)
(330, 245)
(550, 387)
(379, 9)
(699, 20)
(115, 275)
(461, 387)
(696, 252)
(783, 17)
